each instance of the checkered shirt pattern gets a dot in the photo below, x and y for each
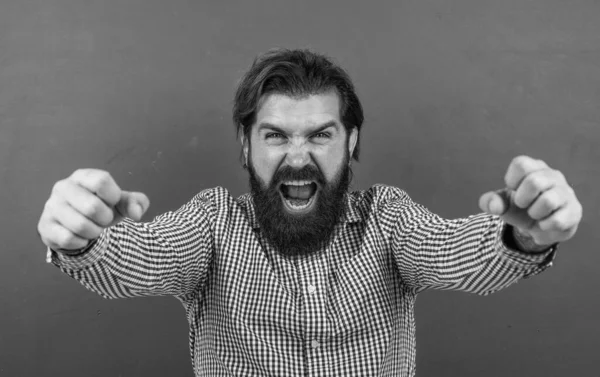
(347, 310)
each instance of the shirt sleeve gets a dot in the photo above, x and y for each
(167, 256)
(467, 254)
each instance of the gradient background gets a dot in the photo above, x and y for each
(452, 91)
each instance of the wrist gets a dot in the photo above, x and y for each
(525, 243)
(76, 252)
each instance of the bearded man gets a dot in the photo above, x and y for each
(300, 276)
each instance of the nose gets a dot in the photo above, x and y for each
(298, 155)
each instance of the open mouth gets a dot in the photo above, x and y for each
(298, 196)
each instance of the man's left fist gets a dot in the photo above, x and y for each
(538, 201)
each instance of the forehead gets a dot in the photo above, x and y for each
(289, 111)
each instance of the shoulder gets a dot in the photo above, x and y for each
(215, 195)
(379, 195)
(386, 203)
(214, 200)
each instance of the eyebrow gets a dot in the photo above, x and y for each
(317, 129)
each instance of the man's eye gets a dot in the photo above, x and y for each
(321, 135)
(274, 135)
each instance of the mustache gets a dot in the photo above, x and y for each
(299, 235)
(308, 172)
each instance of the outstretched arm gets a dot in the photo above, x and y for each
(483, 253)
(89, 225)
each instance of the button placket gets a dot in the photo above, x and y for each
(311, 278)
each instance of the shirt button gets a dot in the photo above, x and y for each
(314, 344)
(311, 289)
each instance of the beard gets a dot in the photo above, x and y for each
(300, 234)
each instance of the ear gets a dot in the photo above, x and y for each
(352, 140)
(244, 142)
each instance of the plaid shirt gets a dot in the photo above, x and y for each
(347, 310)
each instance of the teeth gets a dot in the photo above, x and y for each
(297, 183)
(301, 206)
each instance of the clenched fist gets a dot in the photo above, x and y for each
(82, 205)
(537, 201)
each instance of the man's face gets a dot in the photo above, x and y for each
(298, 156)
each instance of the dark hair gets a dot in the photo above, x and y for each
(297, 73)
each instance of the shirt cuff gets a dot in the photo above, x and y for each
(536, 261)
(86, 258)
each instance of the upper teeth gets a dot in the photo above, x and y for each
(297, 183)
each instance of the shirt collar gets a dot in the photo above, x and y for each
(351, 212)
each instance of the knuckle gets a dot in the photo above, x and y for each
(576, 211)
(89, 208)
(48, 206)
(79, 227)
(545, 226)
(64, 239)
(541, 163)
(104, 176)
(58, 187)
(563, 227)
(560, 225)
(102, 180)
(571, 232)
(50, 209)
(76, 173)
(536, 181)
(559, 176)
(94, 178)
(533, 214)
(81, 175)
(520, 160)
(548, 200)
(527, 190)
(520, 200)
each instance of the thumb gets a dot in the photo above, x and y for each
(132, 205)
(495, 202)
(500, 203)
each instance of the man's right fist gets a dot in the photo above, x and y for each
(82, 205)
